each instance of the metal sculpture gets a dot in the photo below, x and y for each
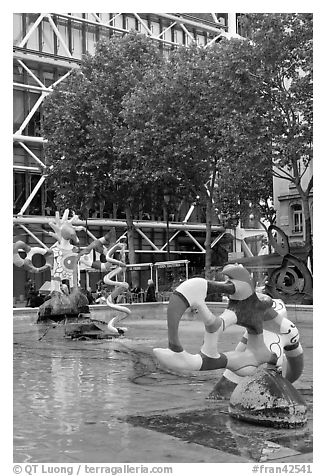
(114, 268)
(292, 280)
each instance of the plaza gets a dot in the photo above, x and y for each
(148, 151)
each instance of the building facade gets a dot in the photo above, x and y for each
(288, 204)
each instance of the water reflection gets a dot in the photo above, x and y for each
(62, 385)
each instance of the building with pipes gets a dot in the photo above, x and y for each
(47, 47)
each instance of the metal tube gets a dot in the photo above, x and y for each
(26, 167)
(190, 22)
(168, 235)
(217, 239)
(45, 58)
(31, 30)
(166, 29)
(31, 113)
(123, 224)
(187, 32)
(21, 138)
(33, 236)
(156, 279)
(212, 41)
(32, 155)
(172, 238)
(194, 240)
(57, 32)
(147, 239)
(105, 25)
(31, 73)
(60, 79)
(30, 87)
(143, 23)
(32, 195)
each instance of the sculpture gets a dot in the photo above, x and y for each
(292, 281)
(62, 259)
(270, 337)
(114, 268)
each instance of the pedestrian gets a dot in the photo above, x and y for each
(135, 293)
(150, 291)
(88, 293)
(64, 289)
(28, 286)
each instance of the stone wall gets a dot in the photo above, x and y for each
(157, 310)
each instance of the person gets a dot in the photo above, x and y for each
(64, 289)
(36, 299)
(135, 289)
(28, 287)
(135, 293)
(150, 291)
(89, 295)
(102, 297)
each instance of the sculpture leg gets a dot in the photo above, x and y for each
(229, 380)
(293, 367)
(178, 359)
(176, 308)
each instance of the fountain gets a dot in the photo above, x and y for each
(269, 348)
(67, 303)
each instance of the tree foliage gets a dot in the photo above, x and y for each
(81, 118)
(280, 64)
(192, 122)
(215, 122)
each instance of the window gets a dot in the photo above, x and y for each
(18, 108)
(297, 218)
(47, 38)
(18, 28)
(176, 35)
(19, 191)
(24, 184)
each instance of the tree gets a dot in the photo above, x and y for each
(189, 121)
(279, 61)
(80, 120)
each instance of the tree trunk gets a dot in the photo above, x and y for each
(208, 239)
(209, 219)
(131, 242)
(308, 230)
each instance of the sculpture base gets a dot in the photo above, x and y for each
(222, 390)
(86, 328)
(266, 398)
(61, 305)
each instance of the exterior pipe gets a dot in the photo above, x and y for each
(120, 223)
(32, 195)
(22, 138)
(185, 21)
